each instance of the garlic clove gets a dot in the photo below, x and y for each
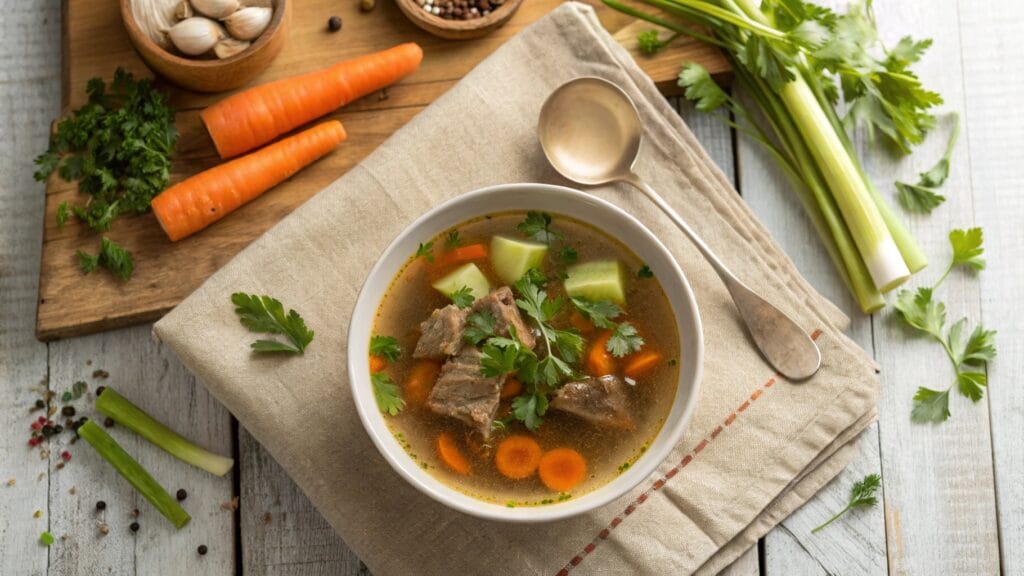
(215, 8)
(248, 23)
(228, 47)
(196, 35)
(184, 10)
(154, 17)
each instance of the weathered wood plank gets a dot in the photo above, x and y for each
(282, 534)
(147, 374)
(29, 95)
(938, 481)
(786, 556)
(992, 86)
(856, 547)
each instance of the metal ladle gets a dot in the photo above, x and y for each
(590, 132)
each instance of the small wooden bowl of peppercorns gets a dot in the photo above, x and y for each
(459, 19)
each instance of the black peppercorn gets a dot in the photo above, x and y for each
(108, 422)
(68, 410)
(334, 23)
(134, 526)
(100, 390)
(101, 505)
(40, 404)
(181, 495)
(202, 550)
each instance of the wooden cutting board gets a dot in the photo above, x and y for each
(95, 43)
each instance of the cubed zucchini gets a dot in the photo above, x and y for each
(601, 280)
(467, 275)
(513, 258)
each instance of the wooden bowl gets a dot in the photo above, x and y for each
(458, 29)
(211, 75)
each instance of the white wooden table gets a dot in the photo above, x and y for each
(953, 494)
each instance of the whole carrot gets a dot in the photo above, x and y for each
(256, 116)
(195, 203)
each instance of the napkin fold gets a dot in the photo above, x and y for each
(758, 446)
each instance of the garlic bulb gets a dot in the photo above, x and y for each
(196, 35)
(215, 8)
(155, 17)
(228, 47)
(248, 23)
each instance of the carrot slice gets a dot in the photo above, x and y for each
(377, 364)
(198, 201)
(517, 457)
(511, 388)
(256, 116)
(420, 381)
(451, 455)
(599, 361)
(562, 469)
(641, 363)
(463, 254)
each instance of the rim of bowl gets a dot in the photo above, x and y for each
(669, 434)
(136, 33)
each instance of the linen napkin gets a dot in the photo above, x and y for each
(757, 448)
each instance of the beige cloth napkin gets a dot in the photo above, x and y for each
(757, 448)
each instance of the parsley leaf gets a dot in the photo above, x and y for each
(701, 89)
(479, 327)
(385, 391)
(967, 248)
(529, 409)
(600, 313)
(920, 311)
(426, 251)
(862, 495)
(645, 272)
(385, 347)
(624, 340)
(537, 226)
(980, 347)
(971, 384)
(264, 314)
(568, 255)
(463, 297)
(452, 240)
(111, 256)
(118, 147)
(930, 406)
(649, 43)
(62, 214)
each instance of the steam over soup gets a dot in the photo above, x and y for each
(524, 358)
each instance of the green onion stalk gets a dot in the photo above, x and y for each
(800, 128)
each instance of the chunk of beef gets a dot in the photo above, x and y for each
(600, 401)
(502, 304)
(462, 392)
(441, 334)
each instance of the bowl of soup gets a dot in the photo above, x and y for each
(525, 352)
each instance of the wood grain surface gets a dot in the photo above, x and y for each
(165, 272)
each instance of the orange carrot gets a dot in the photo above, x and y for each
(641, 363)
(511, 388)
(420, 381)
(517, 457)
(599, 361)
(580, 323)
(256, 116)
(562, 469)
(451, 455)
(195, 203)
(463, 254)
(377, 364)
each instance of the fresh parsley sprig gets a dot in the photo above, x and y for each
(922, 197)
(426, 251)
(264, 314)
(463, 297)
(111, 256)
(386, 393)
(564, 347)
(966, 353)
(385, 347)
(862, 495)
(537, 226)
(624, 339)
(479, 327)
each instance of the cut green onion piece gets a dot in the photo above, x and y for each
(133, 472)
(112, 404)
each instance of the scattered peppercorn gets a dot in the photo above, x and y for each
(108, 422)
(40, 404)
(100, 374)
(47, 431)
(65, 456)
(33, 441)
(367, 5)
(135, 512)
(104, 529)
(202, 550)
(100, 390)
(68, 411)
(181, 495)
(134, 526)
(460, 9)
(57, 429)
(101, 505)
(334, 23)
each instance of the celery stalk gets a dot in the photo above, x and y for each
(134, 473)
(112, 404)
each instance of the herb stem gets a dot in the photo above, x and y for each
(832, 519)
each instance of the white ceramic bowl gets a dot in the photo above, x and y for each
(555, 200)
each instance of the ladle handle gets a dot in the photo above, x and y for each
(723, 271)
